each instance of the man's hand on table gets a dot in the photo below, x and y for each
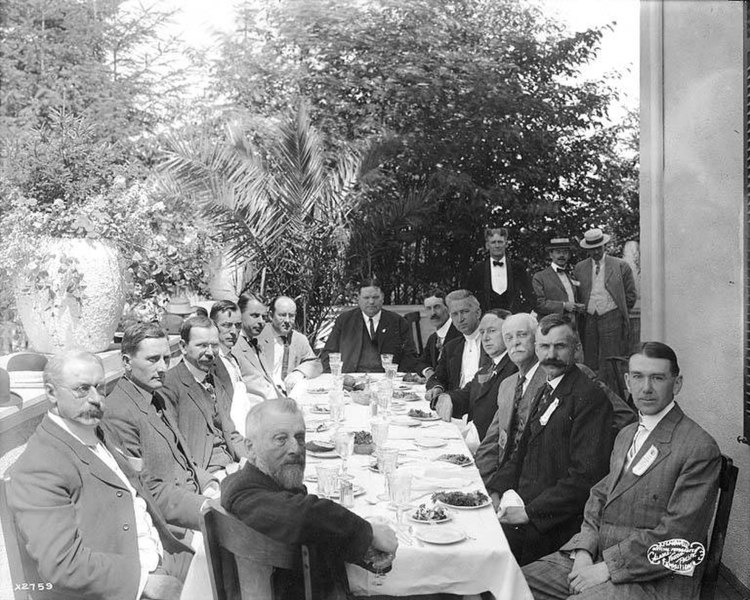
(444, 407)
(585, 574)
(514, 515)
(293, 379)
(383, 537)
(495, 497)
(433, 393)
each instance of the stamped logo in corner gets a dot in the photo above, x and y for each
(677, 555)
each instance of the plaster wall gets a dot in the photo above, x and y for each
(692, 213)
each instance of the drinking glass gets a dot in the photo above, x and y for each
(386, 360)
(326, 480)
(384, 390)
(336, 404)
(344, 448)
(390, 372)
(387, 461)
(379, 430)
(400, 490)
(336, 368)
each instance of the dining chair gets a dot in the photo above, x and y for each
(22, 566)
(414, 319)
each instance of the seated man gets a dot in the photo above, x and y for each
(445, 331)
(363, 334)
(91, 528)
(138, 419)
(202, 408)
(462, 356)
(292, 358)
(478, 398)
(269, 496)
(562, 453)
(661, 487)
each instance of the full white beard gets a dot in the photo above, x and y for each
(288, 476)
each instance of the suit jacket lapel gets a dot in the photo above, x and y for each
(660, 438)
(561, 392)
(554, 278)
(195, 393)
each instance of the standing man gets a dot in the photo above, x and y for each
(463, 355)
(363, 334)
(660, 492)
(139, 419)
(228, 373)
(514, 398)
(89, 526)
(444, 332)
(608, 292)
(499, 282)
(199, 404)
(562, 453)
(255, 358)
(555, 289)
(478, 398)
(293, 359)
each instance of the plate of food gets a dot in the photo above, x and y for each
(358, 491)
(430, 442)
(363, 443)
(320, 449)
(423, 415)
(456, 459)
(430, 514)
(439, 535)
(413, 378)
(318, 390)
(463, 500)
(317, 426)
(404, 421)
(321, 409)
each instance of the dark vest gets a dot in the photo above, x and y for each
(369, 357)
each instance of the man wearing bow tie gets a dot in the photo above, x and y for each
(555, 287)
(562, 453)
(499, 282)
(656, 503)
(607, 290)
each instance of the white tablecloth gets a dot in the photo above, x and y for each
(480, 563)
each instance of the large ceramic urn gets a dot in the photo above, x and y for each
(73, 297)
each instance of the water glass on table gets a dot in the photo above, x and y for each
(379, 430)
(386, 360)
(384, 391)
(327, 480)
(336, 405)
(334, 361)
(344, 441)
(387, 461)
(399, 483)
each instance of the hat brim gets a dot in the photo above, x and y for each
(559, 247)
(605, 239)
(13, 400)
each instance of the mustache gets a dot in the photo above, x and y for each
(93, 413)
(553, 362)
(294, 460)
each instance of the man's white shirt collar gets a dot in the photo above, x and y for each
(531, 371)
(651, 421)
(442, 331)
(375, 320)
(556, 381)
(472, 337)
(500, 357)
(199, 375)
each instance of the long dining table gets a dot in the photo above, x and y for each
(480, 561)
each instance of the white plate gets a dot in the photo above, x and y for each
(331, 454)
(448, 517)
(318, 391)
(318, 426)
(433, 417)
(466, 464)
(430, 442)
(320, 409)
(487, 502)
(404, 421)
(439, 535)
(358, 491)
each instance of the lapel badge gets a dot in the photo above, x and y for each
(548, 413)
(646, 461)
(503, 438)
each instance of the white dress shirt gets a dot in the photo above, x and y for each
(646, 424)
(470, 357)
(565, 280)
(442, 331)
(375, 322)
(499, 275)
(600, 300)
(529, 374)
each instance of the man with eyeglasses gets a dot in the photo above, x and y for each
(89, 525)
(140, 420)
(201, 407)
(645, 524)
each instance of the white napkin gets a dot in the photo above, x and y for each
(438, 478)
(510, 498)
(470, 434)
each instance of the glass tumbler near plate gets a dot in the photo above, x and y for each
(386, 360)
(384, 391)
(379, 430)
(336, 368)
(387, 462)
(399, 485)
(336, 404)
(327, 480)
(344, 441)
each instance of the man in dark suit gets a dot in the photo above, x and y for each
(478, 398)
(463, 356)
(138, 418)
(91, 528)
(555, 289)
(445, 331)
(499, 282)
(607, 290)
(562, 453)
(269, 495)
(201, 407)
(646, 523)
(363, 334)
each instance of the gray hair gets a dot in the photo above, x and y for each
(457, 295)
(518, 319)
(254, 419)
(55, 368)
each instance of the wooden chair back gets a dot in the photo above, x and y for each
(22, 566)
(414, 319)
(727, 484)
(241, 560)
(613, 374)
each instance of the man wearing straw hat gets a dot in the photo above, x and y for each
(555, 288)
(607, 290)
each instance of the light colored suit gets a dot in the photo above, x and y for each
(550, 292)
(626, 514)
(255, 367)
(495, 448)
(302, 357)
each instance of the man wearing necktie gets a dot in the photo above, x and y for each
(436, 306)
(88, 524)
(201, 407)
(646, 523)
(562, 453)
(555, 287)
(607, 290)
(292, 359)
(499, 282)
(363, 334)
